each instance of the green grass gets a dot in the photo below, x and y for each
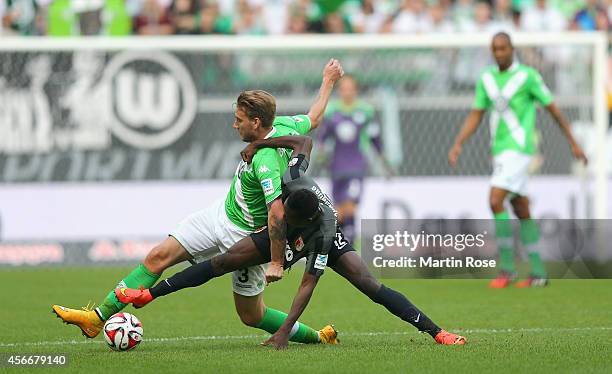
(566, 327)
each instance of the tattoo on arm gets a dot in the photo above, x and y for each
(278, 229)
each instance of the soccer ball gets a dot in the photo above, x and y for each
(122, 332)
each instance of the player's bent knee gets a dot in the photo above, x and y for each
(162, 257)
(156, 260)
(250, 319)
(519, 211)
(251, 316)
(521, 208)
(497, 205)
(250, 309)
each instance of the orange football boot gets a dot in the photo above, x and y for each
(448, 338)
(138, 298)
(503, 279)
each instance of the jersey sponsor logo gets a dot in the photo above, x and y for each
(299, 244)
(297, 119)
(263, 169)
(267, 186)
(501, 104)
(346, 132)
(320, 262)
(502, 110)
(293, 161)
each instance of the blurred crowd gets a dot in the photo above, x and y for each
(261, 17)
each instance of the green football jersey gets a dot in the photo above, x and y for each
(511, 97)
(257, 184)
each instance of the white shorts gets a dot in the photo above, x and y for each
(511, 172)
(208, 233)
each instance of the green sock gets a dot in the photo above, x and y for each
(140, 276)
(273, 319)
(503, 236)
(530, 236)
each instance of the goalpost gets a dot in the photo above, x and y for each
(424, 82)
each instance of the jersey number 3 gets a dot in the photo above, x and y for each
(244, 276)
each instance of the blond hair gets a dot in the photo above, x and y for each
(258, 104)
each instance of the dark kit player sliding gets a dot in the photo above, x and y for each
(312, 233)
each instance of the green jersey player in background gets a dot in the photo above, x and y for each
(252, 202)
(510, 91)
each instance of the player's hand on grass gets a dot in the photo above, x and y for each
(248, 152)
(453, 155)
(280, 340)
(274, 272)
(579, 154)
(333, 71)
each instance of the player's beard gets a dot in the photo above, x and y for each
(248, 138)
(245, 136)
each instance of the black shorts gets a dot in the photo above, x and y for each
(340, 246)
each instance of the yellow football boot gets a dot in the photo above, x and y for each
(86, 319)
(329, 335)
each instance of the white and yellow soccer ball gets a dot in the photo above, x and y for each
(123, 332)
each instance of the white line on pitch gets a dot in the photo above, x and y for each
(377, 333)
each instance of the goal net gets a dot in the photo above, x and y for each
(160, 109)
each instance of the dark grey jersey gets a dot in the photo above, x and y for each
(314, 241)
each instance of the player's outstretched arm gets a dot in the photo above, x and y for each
(331, 74)
(280, 339)
(472, 121)
(300, 144)
(564, 125)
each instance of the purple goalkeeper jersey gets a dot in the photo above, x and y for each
(351, 130)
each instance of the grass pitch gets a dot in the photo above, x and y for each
(566, 327)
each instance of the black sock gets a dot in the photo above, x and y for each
(193, 276)
(400, 306)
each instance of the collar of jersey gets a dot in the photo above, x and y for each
(271, 132)
(512, 67)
